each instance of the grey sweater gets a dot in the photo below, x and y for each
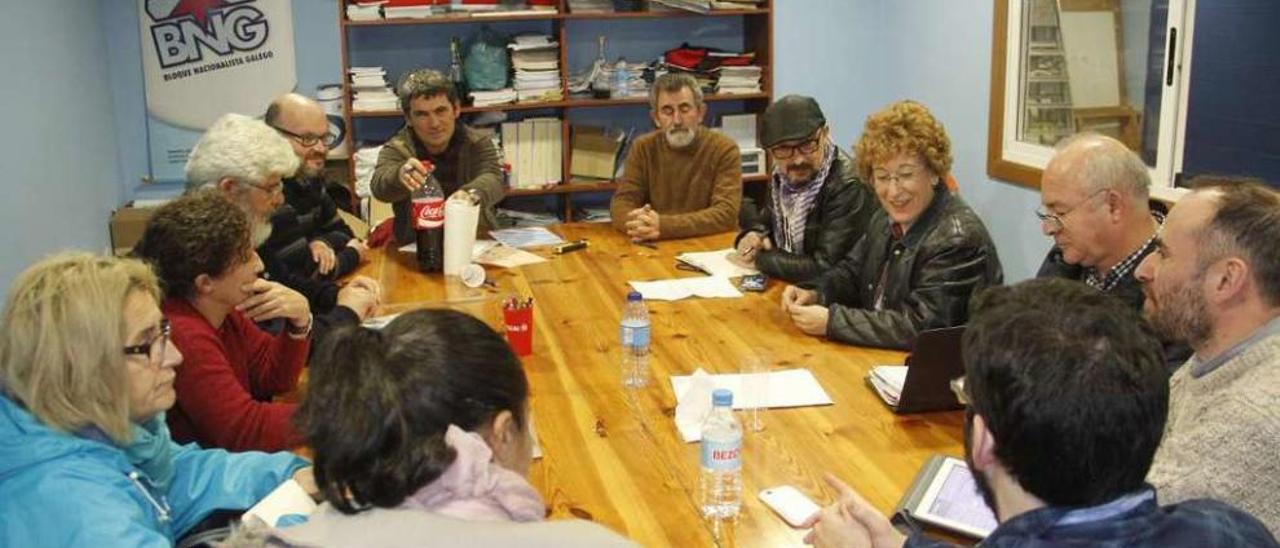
(1222, 439)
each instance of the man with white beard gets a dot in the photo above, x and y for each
(682, 179)
(245, 161)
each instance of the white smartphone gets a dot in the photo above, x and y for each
(790, 503)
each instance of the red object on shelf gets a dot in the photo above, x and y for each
(542, 3)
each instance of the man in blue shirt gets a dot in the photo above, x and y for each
(1067, 396)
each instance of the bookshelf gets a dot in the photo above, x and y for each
(372, 126)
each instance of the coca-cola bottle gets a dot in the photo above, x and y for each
(428, 222)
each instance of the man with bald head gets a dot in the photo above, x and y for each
(310, 245)
(1214, 282)
(1095, 204)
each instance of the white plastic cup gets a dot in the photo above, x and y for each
(473, 275)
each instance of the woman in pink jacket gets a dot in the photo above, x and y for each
(421, 435)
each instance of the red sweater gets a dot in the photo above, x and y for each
(227, 379)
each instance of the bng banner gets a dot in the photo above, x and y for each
(204, 58)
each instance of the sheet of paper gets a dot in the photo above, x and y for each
(477, 250)
(693, 404)
(716, 263)
(508, 257)
(888, 380)
(288, 498)
(526, 237)
(789, 388)
(707, 287)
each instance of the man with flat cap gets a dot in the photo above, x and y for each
(817, 206)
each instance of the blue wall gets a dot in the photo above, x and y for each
(58, 147)
(854, 56)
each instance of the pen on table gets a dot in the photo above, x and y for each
(572, 246)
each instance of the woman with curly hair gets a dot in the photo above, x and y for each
(923, 256)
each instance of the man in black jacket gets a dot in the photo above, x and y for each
(310, 245)
(817, 208)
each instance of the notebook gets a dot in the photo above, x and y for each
(923, 383)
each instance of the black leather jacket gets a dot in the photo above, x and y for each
(838, 218)
(932, 271)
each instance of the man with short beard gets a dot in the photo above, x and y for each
(309, 235)
(682, 179)
(1066, 393)
(1214, 282)
(817, 208)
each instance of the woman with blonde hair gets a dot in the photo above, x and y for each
(922, 257)
(86, 373)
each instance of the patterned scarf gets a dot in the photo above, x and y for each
(792, 201)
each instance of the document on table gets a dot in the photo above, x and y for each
(507, 257)
(526, 237)
(888, 381)
(708, 287)
(287, 499)
(789, 388)
(477, 249)
(716, 263)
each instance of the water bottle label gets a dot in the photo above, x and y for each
(723, 456)
(635, 336)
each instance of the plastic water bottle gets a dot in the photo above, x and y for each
(635, 342)
(621, 79)
(721, 485)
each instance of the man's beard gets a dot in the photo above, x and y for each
(261, 232)
(1181, 314)
(307, 172)
(678, 137)
(979, 479)
(805, 171)
(259, 225)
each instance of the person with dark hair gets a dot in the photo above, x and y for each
(1067, 395)
(1214, 283)
(818, 206)
(431, 436)
(681, 179)
(924, 253)
(200, 247)
(433, 145)
(310, 244)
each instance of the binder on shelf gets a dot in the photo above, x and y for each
(511, 150)
(524, 138)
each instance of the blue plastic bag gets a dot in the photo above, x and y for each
(488, 63)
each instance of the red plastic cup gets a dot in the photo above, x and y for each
(519, 324)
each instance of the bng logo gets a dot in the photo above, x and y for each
(183, 30)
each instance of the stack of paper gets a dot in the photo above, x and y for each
(365, 10)
(738, 80)
(474, 5)
(888, 381)
(525, 237)
(533, 148)
(790, 388)
(370, 91)
(590, 6)
(716, 263)
(525, 219)
(735, 4)
(495, 97)
(536, 60)
(707, 287)
(696, 6)
(416, 9)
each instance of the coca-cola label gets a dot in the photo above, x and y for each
(428, 213)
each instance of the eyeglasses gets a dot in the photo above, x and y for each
(306, 140)
(902, 177)
(783, 152)
(271, 190)
(1057, 221)
(153, 348)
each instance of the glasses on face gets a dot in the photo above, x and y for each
(906, 174)
(783, 152)
(306, 140)
(271, 190)
(1057, 221)
(154, 348)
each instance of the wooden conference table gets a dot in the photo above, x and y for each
(614, 456)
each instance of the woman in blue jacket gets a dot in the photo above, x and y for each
(86, 373)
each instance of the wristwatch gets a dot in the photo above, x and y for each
(300, 332)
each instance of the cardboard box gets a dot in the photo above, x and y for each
(595, 153)
(126, 227)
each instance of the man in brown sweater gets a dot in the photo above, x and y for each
(682, 179)
(434, 145)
